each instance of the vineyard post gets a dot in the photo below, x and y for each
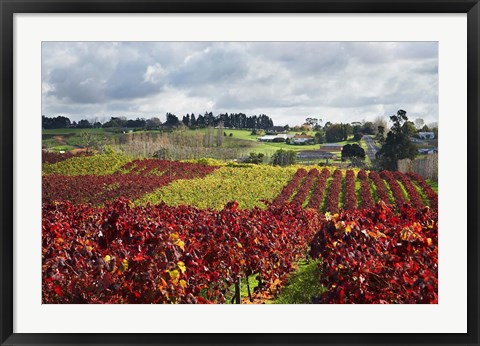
(248, 289)
(237, 291)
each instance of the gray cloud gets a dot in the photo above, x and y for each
(337, 81)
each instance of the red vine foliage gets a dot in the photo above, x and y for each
(98, 189)
(431, 195)
(120, 253)
(350, 192)
(376, 256)
(290, 188)
(334, 192)
(306, 186)
(319, 192)
(380, 188)
(51, 157)
(365, 193)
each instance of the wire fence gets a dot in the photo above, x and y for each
(426, 166)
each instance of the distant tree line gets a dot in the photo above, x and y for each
(232, 120)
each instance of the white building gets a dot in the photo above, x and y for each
(270, 138)
(426, 135)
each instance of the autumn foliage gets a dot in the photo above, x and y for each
(376, 256)
(350, 192)
(291, 187)
(365, 193)
(318, 193)
(334, 192)
(99, 248)
(133, 180)
(120, 253)
(304, 190)
(51, 157)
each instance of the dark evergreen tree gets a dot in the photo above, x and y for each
(59, 122)
(172, 120)
(84, 124)
(350, 151)
(397, 145)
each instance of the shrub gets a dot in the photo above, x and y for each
(284, 157)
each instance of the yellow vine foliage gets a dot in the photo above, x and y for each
(102, 164)
(247, 185)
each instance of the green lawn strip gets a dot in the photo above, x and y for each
(294, 193)
(70, 131)
(373, 190)
(49, 143)
(252, 281)
(364, 146)
(358, 192)
(433, 184)
(348, 141)
(310, 193)
(341, 198)
(421, 193)
(73, 137)
(389, 191)
(61, 148)
(404, 191)
(323, 205)
(271, 146)
(302, 285)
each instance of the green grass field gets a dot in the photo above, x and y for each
(363, 145)
(68, 139)
(72, 131)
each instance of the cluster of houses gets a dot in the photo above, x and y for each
(421, 138)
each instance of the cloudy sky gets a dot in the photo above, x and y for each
(288, 81)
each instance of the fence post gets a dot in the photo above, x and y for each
(237, 291)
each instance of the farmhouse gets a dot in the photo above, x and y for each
(426, 135)
(302, 139)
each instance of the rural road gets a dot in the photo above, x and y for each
(371, 147)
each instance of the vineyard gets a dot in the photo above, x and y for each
(123, 230)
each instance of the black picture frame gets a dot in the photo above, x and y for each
(9, 7)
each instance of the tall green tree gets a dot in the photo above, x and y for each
(320, 136)
(397, 145)
(284, 157)
(334, 133)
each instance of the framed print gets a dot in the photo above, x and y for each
(260, 172)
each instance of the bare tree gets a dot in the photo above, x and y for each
(88, 140)
(208, 138)
(220, 132)
(419, 123)
(380, 121)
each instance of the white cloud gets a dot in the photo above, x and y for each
(154, 73)
(338, 81)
